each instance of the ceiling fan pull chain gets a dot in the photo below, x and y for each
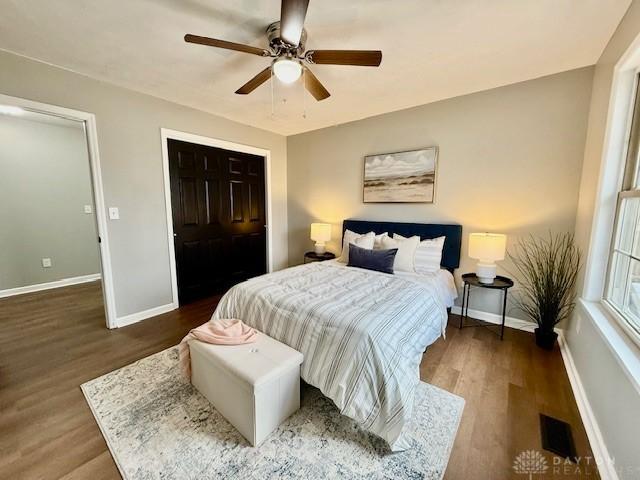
(304, 97)
(273, 111)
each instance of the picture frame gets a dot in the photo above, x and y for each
(400, 177)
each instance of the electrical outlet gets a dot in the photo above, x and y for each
(88, 209)
(46, 263)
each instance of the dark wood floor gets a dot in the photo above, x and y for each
(506, 385)
(51, 342)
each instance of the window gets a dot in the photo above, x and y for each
(623, 284)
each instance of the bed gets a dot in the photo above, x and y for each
(362, 333)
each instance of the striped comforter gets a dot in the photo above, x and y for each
(362, 334)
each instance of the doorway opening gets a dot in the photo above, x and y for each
(54, 233)
(217, 197)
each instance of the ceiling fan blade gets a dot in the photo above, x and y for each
(255, 82)
(363, 58)
(313, 85)
(292, 14)
(239, 47)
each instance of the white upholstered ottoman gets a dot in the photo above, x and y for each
(254, 386)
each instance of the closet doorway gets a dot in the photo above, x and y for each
(219, 213)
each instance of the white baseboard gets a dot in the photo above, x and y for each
(512, 322)
(65, 282)
(606, 467)
(138, 316)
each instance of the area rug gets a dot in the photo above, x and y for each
(158, 426)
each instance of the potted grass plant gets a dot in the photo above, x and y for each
(548, 270)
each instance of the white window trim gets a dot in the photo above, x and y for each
(611, 309)
(609, 323)
(618, 318)
(611, 175)
(624, 350)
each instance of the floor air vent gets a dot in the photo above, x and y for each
(557, 437)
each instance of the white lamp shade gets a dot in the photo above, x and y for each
(487, 246)
(10, 110)
(286, 70)
(320, 232)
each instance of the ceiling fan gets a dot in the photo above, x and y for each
(287, 39)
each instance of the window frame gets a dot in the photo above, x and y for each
(629, 187)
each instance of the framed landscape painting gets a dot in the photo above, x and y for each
(403, 177)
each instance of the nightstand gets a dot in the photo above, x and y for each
(471, 280)
(318, 257)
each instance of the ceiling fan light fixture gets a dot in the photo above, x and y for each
(287, 70)
(10, 110)
(287, 47)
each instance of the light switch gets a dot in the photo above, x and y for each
(88, 209)
(46, 263)
(114, 213)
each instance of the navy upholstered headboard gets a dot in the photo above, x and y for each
(452, 243)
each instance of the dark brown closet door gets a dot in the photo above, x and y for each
(218, 203)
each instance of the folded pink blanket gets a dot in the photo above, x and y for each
(218, 332)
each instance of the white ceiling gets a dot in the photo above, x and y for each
(432, 49)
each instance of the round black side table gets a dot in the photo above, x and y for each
(471, 280)
(318, 257)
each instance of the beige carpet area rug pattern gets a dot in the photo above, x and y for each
(158, 426)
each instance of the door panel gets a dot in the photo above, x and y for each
(188, 277)
(257, 254)
(254, 202)
(218, 206)
(253, 168)
(211, 164)
(186, 160)
(214, 252)
(189, 201)
(239, 255)
(235, 166)
(212, 200)
(237, 201)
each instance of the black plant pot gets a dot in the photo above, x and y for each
(546, 338)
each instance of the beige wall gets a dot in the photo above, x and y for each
(613, 397)
(129, 140)
(45, 183)
(509, 161)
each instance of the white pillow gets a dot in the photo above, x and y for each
(406, 251)
(428, 255)
(377, 242)
(363, 241)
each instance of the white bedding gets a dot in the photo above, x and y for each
(362, 333)
(442, 281)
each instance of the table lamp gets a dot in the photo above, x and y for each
(320, 233)
(487, 248)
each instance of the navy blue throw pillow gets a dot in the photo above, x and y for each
(378, 260)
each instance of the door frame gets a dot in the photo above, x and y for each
(91, 132)
(168, 134)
